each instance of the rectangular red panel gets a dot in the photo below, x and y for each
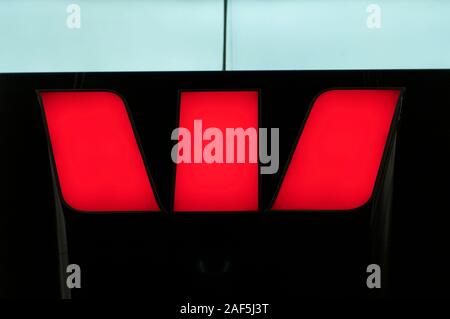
(336, 161)
(209, 187)
(98, 160)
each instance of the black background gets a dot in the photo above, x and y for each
(219, 257)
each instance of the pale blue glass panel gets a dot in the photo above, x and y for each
(127, 35)
(333, 34)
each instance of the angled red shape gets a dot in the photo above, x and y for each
(97, 158)
(213, 187)
(336, 161)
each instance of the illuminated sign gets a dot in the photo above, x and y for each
(334, 165)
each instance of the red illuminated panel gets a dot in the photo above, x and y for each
(336, 161)
(97, 158)
(218, 186)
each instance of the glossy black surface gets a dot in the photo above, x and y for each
(215, 257)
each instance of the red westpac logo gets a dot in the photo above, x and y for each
(333, 166)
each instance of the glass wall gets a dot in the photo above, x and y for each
(187, 35)
(338, 34)
(100, 35)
